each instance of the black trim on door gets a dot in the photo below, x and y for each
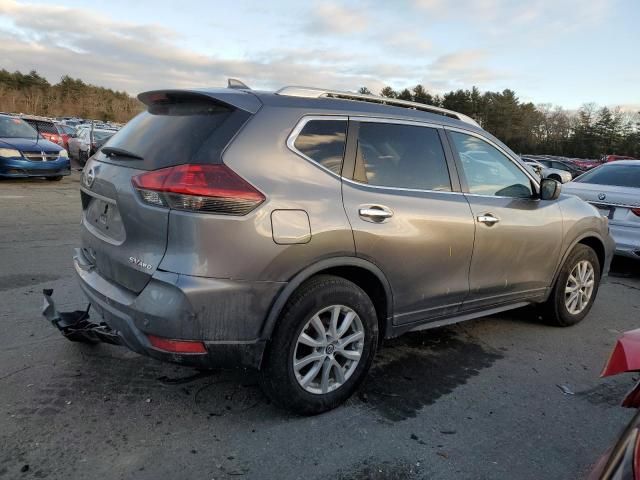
(464, 186)
(349, 161)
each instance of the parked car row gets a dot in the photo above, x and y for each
(69, 132)
(576, 166)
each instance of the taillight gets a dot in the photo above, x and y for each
(200, 188)
(636, 211)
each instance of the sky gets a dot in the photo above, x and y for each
(562, 52)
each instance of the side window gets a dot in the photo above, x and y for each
(560, 166)
(323, 141)
(488, 171)
(405, 156)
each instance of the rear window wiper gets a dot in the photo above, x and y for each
(120, 152)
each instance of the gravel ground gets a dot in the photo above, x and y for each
(479, 400)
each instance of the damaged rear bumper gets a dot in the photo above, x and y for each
(76, 325)
(225, 315)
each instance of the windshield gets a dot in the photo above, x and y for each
(620, 175)
(101, 135)
(11, 127)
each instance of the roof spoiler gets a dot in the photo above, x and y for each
(230, 97)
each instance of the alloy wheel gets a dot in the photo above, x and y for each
(328, 349)
(579, 287)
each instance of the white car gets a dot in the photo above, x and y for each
(87, 141)
(561, 176)
(614, 189)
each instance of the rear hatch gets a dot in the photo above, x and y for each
(123, 237)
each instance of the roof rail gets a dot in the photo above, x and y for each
(310, 92)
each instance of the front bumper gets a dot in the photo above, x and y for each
(226, 315)
(20, 168)
(627, 240)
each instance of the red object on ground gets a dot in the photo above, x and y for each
(625, 356)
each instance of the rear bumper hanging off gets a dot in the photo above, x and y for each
(76, 325)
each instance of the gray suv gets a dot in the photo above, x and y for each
(292, 231)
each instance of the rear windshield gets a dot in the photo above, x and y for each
(42, 126)
(613, 174)
(171, 133)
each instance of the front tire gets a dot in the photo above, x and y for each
(322, 347)
(575, 289)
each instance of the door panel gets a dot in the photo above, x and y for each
(424, 249)
(421, 238)
(518, 237)
(516, 256)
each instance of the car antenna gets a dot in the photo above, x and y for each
(237, 84)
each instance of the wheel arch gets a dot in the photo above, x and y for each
(590, 239)
(357, 270)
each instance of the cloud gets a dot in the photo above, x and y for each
(135, 56)
(461, 69)
(509, 15)
(334, 18)
(405, 42)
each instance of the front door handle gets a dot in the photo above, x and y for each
(488, 219)
(375, 213)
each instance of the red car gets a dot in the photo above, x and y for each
(622, 461)
(614, 158)
(49, 130)
(585, 164)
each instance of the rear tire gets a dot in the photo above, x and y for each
(331, 324)
(575, 289)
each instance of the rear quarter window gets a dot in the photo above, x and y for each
(323, 141)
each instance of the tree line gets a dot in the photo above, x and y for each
(32, 94)
(590, 132)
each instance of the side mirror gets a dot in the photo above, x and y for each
(550, 189)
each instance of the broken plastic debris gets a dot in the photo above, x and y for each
(566, 389)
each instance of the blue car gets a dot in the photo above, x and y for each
(24, 153)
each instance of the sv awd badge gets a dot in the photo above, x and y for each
(139, 263)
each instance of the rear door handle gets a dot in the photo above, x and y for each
(488, 219)
(375, 213)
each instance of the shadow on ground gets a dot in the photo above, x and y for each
(409, 373)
